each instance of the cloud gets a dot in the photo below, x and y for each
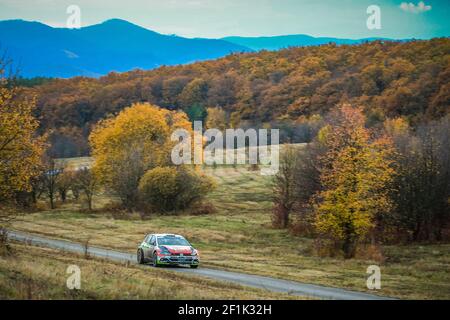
(70, 54)
(411, 7)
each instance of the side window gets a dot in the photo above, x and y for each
(153, 241)
(147, 238)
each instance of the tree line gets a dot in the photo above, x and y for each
(288, 89)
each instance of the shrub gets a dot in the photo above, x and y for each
(169, 189)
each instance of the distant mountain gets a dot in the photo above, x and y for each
(281, 42)
(114, 45)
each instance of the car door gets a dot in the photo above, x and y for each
(152, 246)
(146, 247)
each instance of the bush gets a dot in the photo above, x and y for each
(169, 189)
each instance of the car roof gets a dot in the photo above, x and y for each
(167, 235)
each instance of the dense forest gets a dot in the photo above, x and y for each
(286, 89)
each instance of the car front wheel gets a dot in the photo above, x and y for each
(155, 260)
(140, 257)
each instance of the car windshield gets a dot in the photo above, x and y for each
(172, 241)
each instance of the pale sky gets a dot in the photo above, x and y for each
(219, 18)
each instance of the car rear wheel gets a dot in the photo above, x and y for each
(140, 257)
(194, 266)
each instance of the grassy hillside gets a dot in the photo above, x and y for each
(239, 237)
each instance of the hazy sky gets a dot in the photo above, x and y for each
(218, 18)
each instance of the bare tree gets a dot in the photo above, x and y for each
(284, 187)
(127, 176)
(50, 181)
(423, 181)
(64, 184)
(87, 183)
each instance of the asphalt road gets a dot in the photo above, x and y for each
(267, 283)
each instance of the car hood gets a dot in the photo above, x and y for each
(179, 249)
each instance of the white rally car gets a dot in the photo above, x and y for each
(167, 249)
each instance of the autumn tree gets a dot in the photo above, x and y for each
(127, 146)
(356, 177)
(20, 148)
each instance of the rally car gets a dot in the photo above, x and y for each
(167, 249)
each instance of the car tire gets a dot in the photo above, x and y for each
(194, 266)
(140, 257)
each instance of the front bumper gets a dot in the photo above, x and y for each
(179, 260)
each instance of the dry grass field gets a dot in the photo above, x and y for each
(38, 273)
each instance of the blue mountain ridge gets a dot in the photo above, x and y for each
(114, 45)
(118, 45)
(297, 40)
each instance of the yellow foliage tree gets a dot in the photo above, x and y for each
(20, 149)
(355, 178)
(135, 141)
